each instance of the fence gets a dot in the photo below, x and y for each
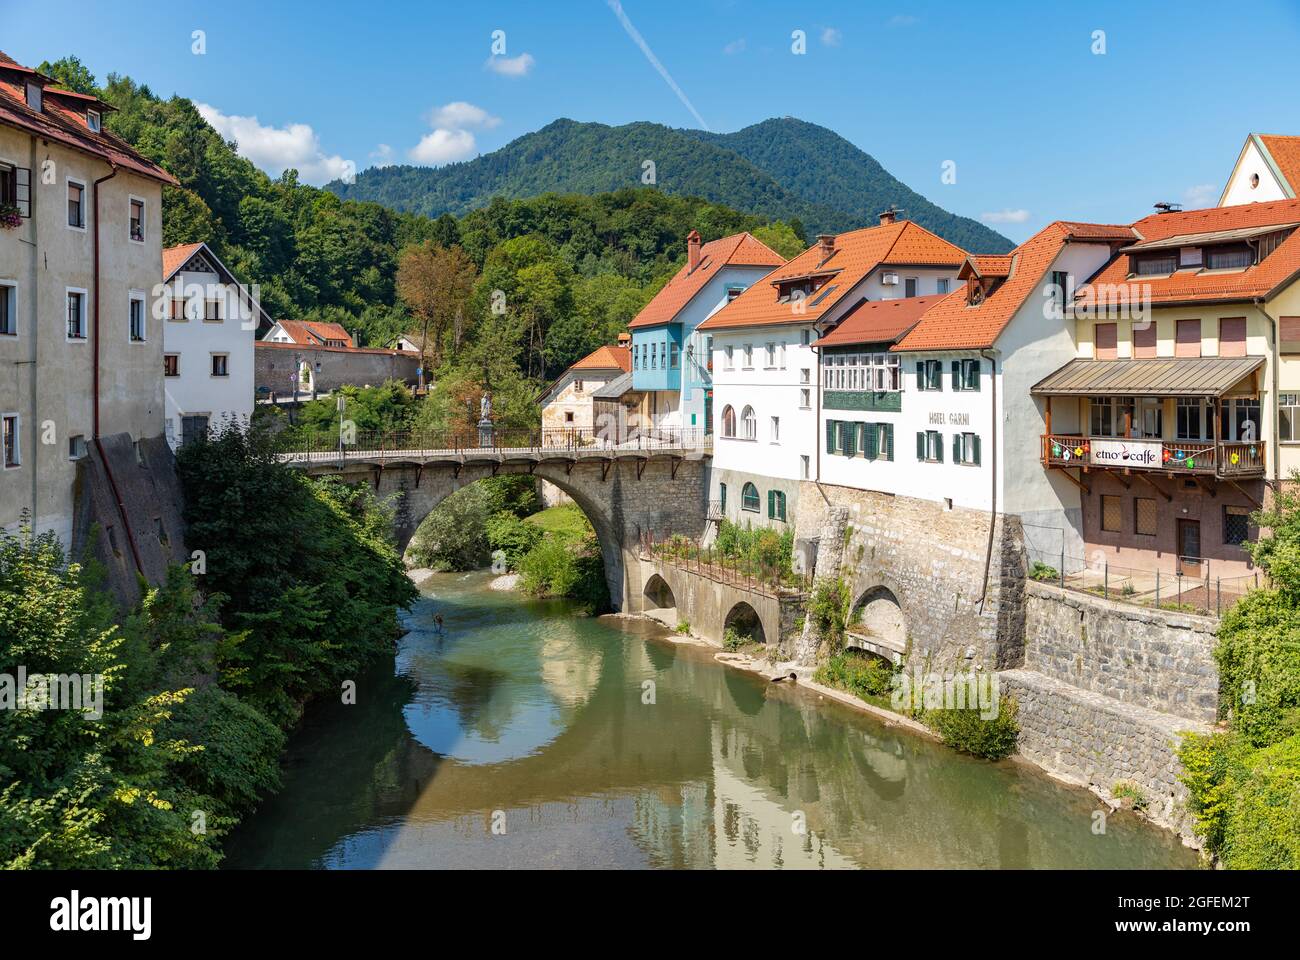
(756, 574)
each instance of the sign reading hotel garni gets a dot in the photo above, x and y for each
(1125, 453)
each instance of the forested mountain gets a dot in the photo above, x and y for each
(779, 169)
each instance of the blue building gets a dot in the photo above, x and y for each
(671, 361)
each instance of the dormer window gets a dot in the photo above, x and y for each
(1228, 258)
(1162, 265)
(92, 120)
(34, 96)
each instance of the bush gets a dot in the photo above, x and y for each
(829, 610)
(761, 552)
(733, 639)
(512, 536)
(1041, 571)
(966, 731)
(863, 676)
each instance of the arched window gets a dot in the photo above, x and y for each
(749, 423)
(728, 421)
(775, 505)
(749, 498)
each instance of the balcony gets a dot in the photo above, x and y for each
(1226, 461)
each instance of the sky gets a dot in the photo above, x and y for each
(1037, 110)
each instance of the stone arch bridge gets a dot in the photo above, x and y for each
(655, 482)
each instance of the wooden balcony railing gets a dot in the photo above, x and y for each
(1199, 457)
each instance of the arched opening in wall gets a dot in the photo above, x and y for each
(499, 523)
(306, 378)
(741, 626)
(660, 604)
(877, 626)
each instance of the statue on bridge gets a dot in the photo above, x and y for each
(485, 420)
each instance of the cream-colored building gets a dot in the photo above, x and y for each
(568, 403)
(81, 343)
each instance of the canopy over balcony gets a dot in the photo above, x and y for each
(1156, 377)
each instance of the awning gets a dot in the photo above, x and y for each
(1207, 239)
(1160, 377)
(614, 389)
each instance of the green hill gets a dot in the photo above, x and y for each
(779, 169)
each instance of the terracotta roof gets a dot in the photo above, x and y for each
(606, 358)
(173, 258)
(313, 333)
(879, 321)
(1186, 286)
(1286, 154)
(998, 266)
(856, 254)
(954, 324)
(64, 125)
(273, 345)
(740, 249)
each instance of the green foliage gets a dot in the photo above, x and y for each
(866, 677)
(456, 535)
(512, 536)
(683, 627)
(566, 521)
(388, 408)
(1259, 665)
(967, 731)
(1041, 571)
(559, 567)
(782, 238)
(1128, 790)
(760, 551)
(733, 639)
(829, 609)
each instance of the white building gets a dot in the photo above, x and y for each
(1268, 168)
(766, 366)
(208, 334)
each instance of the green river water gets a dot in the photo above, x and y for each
(517, 736)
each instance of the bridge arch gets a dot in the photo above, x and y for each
(660, 602)
(745, 620)
(877, 622)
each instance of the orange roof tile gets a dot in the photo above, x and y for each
(879, 321)
(998, 266)
(176, 257)
(740, 249)
(856, 254)
(1189, 286)
(65, 125)
(606, 358)
(1286, 154)
(315, 333)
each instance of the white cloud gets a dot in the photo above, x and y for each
(734, 47)
(461, 115)
(382, 155)
(1201, 195)
(831, 36)
(1005, 216)
(511, 66)
(276, 149)
(443, 146)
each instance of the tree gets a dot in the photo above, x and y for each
(70, 72)
(781, 238)
(435, 283)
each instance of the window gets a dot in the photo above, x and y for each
(805, 375)
(171, 365)
(76, 315)
(76, 205)
(179, 310)
(1193, 418)
(577, 386)
(1110, 416)
(728, 421)
(909, 287)
(966, 449)
(674, 352)
(221, 365)
(135, 316)
(775, 436)
(749, 498)
(1232, 337)
(749, 423)
(1245, 422)
(137, 220)
(771, 356)
(776, 505)
(568, 416)
(1288, 417)
(929, 375)
(805, 398)
(1110, 513)
(734, 292)
(93, 121)
(805, 337)
(1188, 341)
(8, 310)
(12, 452)
(1236, 525)
(1144, 340)
(722, 496)
(804, 464)
(941, 286)
(76, 447)
(747, 356)
(728, 357)
(1144, 516)
(1228, 258)
(1105, 340)
(1058, 290)
(929, 446)
(1155, 266)
(16, 187)
(34, 99)
(966, 375)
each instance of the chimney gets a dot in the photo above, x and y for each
(1168, 207)
(624, 339)
(826, 244)
(888, 216)
(692, 250)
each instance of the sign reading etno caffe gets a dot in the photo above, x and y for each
(1125, 453)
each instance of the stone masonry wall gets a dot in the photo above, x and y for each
(1092, 740)
(1135, 655)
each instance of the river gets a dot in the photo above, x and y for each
(516, 734)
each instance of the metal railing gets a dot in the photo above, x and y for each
(1223, 459)
(737, 570)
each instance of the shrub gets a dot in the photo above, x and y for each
(1041, 571)
(863, 676)
(965, 730)
(512, 536)
(733, 639)
(829, 610)
(1128, 790)
(683, 627)
(549, 569)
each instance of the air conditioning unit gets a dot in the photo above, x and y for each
(889, 279)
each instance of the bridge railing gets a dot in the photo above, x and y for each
(757, 574)
(325, 446)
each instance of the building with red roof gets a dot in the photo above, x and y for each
(1267, 168)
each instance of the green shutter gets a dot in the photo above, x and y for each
(938, 447)
(771, 504)
(976, 450)
(920, 445)
(850, 438)
(920, 375)
(956, 448)
(956, 375)
(979, 371)
(830, 436)
(870, 440)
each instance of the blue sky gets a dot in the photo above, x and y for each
(1038, 125)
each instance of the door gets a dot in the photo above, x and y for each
(193, 428)
(1189, 548)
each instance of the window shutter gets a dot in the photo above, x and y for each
(938, 446)
(920, 445)
(771, 504)
(956, 448)
(887, 443)
(956, 375)
(978, 366)
(870, 440)
(850, 439)
(830, 436)
(976, 450)
(920, 373)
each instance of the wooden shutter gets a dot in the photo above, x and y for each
(920, 375)
(1188, 339)
(850, 438)
(920, 445)
(870, 441)
(978, 367)
(976, 451)
(1105, 340)
(1232, 337)
(956, 375)
(887, 441)
(830, 436)
(771, 504)
(956, 448)
(938, 447)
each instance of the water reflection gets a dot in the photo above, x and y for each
(518, 714)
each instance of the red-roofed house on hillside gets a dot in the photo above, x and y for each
(766, 368)
(567, 404)
(1183, 397)
(80, 236)
(670, 361)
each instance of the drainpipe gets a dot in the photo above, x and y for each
(818, 436)
(991, 356)
(108, 468)
(1274, 362)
